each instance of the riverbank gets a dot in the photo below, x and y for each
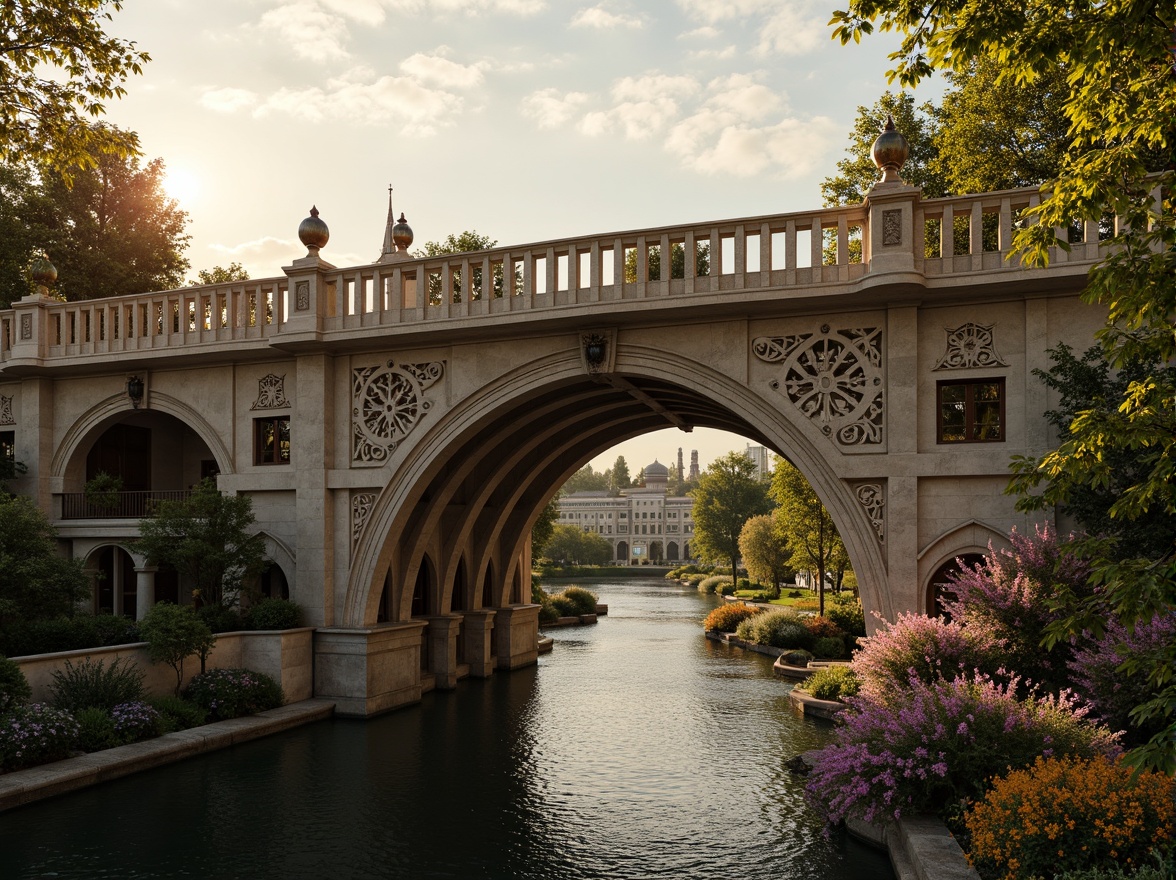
(60, 777)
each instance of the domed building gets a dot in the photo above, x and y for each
(644, 524)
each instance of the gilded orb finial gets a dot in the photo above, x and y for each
(313, 233)
(402, 234)
(43, 273)
(891, 150)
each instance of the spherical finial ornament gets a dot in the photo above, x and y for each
(42, 271)
(891, 150)
(402, 233)
(313, 232)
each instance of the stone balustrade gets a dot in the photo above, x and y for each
(895, 230)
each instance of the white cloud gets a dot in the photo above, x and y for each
(791, 27)
(653, 85)
(228, 100)
(468, 7)
(724, 54)
(706, 32)
(309, 30)
(600, 17)
(366, 12)
(263, 257)
(397, 100)
(550, 109)
(440, 71)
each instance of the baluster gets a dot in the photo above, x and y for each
(842, 241)
(947, 238)
(976, 236)
(817, 249)
(765, 255)
(740, 254)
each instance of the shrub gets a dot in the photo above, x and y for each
(794, 594)
(14, 687)
(829, 647)
(726, 618)
(1146, 873)
(274, 614)
(1012, 597)
(743, 584)
(725, 589)
(847, 615)
(176, 713)
(35, 734)
(95, 729)
(797, 658)
(135, 721)
(94, 685)
(711, 584)
(174, 633)
(230, 693)
(1111, 694)
(583, 600)
(547, 614)
(832, 683)
(696, 578)
(822, 627)
(20, 638)
(1067, 814)
(939, 744)
(563, 606)
(926, 648)
(777, 629)
(220, 619)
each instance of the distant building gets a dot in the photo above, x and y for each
(694, 473)
(763, 459)
(642, 524)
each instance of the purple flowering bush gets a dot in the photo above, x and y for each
(230, 693)
(927, 649)
(1111, 694)
(940, 743)
(135, 721)
(1010, 600)
(35, 734)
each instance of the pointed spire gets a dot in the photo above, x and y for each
(389, 247)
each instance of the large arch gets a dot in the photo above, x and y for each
(649, 388)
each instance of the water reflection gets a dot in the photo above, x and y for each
(636, 749)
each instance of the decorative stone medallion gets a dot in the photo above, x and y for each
(598, 351)
(872, 496)
(26, 326)
(361, 509)
(6, 411)
(970, 345)
(892, 228)
(271, 392)
(834, 377)
(387, 402)
(302, 296)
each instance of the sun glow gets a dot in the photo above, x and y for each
(181, 185)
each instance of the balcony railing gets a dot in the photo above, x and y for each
(129, 505)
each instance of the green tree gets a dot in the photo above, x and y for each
(765, 551)
(728, 495)
(464, 242)
(677, 262)
(173, 634)
(571, 545)
(24, 210)
(57, 68)
(618, 476)
(586, 480)
(36, 581)
(1120, 108)
(115, 232)
(220, 274)
(541, 530)
(206, 538)
(807, 526)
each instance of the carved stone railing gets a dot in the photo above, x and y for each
(894, 232)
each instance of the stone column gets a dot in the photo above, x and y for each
(144, 590)
(442, 636)
(367, 671)
(479, 627)
(518, 636)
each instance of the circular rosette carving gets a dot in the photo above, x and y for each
(387, 403)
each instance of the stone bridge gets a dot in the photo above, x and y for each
(400, 425)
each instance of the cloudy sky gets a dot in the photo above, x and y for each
(523, 119)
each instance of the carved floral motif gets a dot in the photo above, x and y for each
(386, 404)
(970, 345)
(6, 411)
(361, 509)
(834, 377)
(872, 496)
(892, 228)
(302, 296)
(271, 392)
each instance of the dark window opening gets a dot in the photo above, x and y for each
(271, 440)
(970, 412)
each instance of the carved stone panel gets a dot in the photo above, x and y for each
(6, 411)
(361, 509)
(271, 392)
(872, 497)
(892, 228)
(387, 402)
(970, 345)
(834, 377)
(26, 326)
(302, 296)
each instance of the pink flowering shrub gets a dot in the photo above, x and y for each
(1112, 694)
(939, 743)
(924, 648)
(230, 693)
(1009, 599)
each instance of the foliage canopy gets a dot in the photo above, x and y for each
(728, 495)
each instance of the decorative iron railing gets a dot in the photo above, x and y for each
(129, 505)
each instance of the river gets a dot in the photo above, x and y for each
(635, 749)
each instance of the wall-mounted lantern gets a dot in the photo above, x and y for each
(135, 390)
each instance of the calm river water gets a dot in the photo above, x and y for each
(636, 749)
